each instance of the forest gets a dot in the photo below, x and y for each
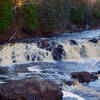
(48, 16)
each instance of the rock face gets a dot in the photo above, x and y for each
(57, 52)
(83, 76)
(29, 89)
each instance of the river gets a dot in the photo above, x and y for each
(55, 59)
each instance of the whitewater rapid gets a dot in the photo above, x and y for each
(36, 59)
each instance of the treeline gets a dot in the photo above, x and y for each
(52, 14)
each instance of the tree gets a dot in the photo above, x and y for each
(6, 15)
(47, 17)
(62, 11)
(31, 17)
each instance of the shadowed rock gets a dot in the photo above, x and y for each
(45, 43)
(73, 42)
(83, 52)
(94, 40)
(30, 89)
(83, 76)
(58, 52)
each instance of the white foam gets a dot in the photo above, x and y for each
(2, 82)
(72, 95)
(34, 69)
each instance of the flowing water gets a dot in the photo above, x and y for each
(55, 59)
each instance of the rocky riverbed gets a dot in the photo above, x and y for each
(63, 67)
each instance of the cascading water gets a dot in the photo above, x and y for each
(22, 52)
(31, 52)
(54, 59)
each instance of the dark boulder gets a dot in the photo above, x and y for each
(45, 43)
(82, 52)
(30, 89)
(83, 76)
(3, 70)
(94, 40)
(95, 73)
(58, 52)
(73, 42)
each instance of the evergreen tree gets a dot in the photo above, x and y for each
(31, 17)
(47, 17)
(6, 15)
(62, 8)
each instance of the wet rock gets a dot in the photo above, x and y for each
(45, 43)
(95, 73)
(82, 76)
(93, 77)
(28, 57)
(14, 61)
(73, 42)
(94, 40)
(98, 72)
(3, 70)
(49, 48)
(58, 52)
(69, 83)
(30, 89)
(83, 52)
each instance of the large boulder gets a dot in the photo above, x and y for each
(83, 76)
(29, 89)
(58, 52)
(45, 43)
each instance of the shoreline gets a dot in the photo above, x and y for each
(48, 35)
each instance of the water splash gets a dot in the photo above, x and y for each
(70, 95)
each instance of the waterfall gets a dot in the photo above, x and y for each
(76, 46)
(22, 52)
(32, 52)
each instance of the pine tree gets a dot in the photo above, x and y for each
(31, 17)
(6, 15)
(47, 17)
(62, 8)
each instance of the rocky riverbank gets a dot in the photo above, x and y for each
(30, 89)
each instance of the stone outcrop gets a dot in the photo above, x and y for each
(82, 52)
(45, 43)
(29, 89)
(83, 76)
(58, 52)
